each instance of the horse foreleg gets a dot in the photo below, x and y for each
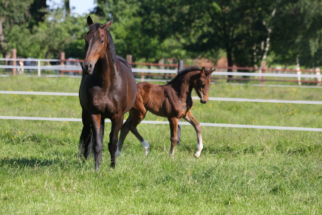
(189, 117)
(117, 122)
(97, 139)
(86, 137)
(174, 138)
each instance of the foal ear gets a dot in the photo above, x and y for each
(107, 25)
(89, 21)
(209, 72)
(203, 71)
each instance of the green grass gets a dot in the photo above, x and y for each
(240, 171)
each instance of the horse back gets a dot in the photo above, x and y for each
(126, 83)
(153, 97)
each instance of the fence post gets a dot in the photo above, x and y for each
(39, 68)
(14, 62)
(62, 61)
(180, 67)
(129, 59)
(318, 76)
(162, 67)
(263, 70)
(196, 62)
(299, 74)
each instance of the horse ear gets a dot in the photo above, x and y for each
(89, 21)
(107, 25)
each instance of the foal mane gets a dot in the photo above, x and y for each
(182, 73)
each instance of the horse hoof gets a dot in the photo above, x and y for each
(117, 153)
(197, 154)
(147, 151)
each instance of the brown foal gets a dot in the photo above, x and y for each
(173, 101)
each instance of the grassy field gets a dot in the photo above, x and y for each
(240, 171)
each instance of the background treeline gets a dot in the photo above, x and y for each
(280, 32)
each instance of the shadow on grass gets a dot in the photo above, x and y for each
(33, 162)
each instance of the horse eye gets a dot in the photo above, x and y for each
(102, 41)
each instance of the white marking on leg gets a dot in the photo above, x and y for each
(146, 147)
(199, 146)
(118, 151)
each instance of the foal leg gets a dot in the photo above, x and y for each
(97, 139)
(124, 131)
(136, 119)
(174, 138)
(189, 117)
(117, 122)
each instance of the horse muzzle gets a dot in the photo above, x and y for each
(88, 67)
(203, 101)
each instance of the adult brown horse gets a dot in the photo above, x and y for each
(107, 90)
(173, 101)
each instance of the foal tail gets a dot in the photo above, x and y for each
(85, 143)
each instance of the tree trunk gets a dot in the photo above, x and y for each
(2, 41)
(67, 8)
(230, 62)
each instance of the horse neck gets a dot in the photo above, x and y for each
(107, 69)
(184, 87)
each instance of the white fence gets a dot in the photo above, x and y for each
(194, 98)
(39, 68)
(165, 122)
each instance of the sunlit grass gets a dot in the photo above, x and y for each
(240, 171)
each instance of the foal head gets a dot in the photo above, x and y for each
(202, 83)
(97, 40)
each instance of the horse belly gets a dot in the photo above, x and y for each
(156, 106)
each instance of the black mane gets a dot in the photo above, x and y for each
(111, 45)
(183, 73)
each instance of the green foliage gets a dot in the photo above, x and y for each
(297, 32)
(150, 30)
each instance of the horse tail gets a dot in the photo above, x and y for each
(85, 143)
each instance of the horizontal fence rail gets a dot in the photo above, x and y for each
(167, 71)
(166, 123)
(194, 97)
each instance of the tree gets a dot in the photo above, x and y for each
(297, 32)
(13, 12)
(67, 8)
(208, 26)
(37, 10)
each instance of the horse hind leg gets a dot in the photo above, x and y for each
(85, 143)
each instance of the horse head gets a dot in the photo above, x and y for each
(97, 41)
(202, 84)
